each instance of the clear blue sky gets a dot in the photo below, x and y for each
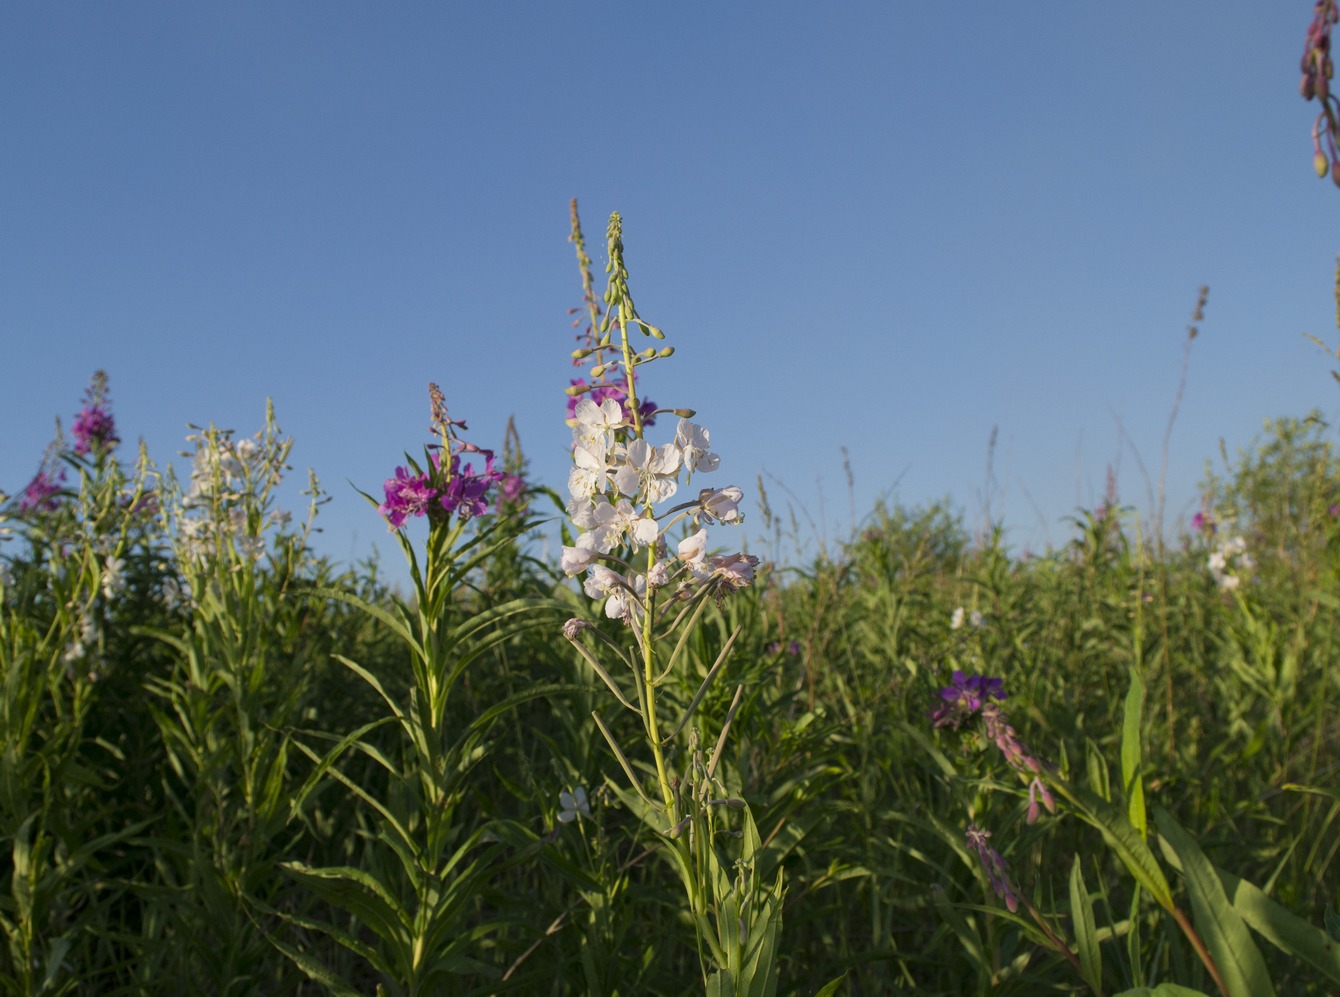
(885, 226)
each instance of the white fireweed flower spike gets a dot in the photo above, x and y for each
(650, 472)
(722, 505)
(956, 620)
(693, 441)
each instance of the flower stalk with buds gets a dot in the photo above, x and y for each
(623, 489)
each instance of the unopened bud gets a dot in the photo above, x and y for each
(582, 354)
(654, 332)
(1335, 172)
(1305, 87)
(1323, 88)
(667, 351)
(685, 413)
(598, 370)
(1320, 164)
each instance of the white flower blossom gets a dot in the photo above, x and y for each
(573, 804)
(577, 559)
(722, 505)
(693, 549)
(589, 469)
(693, 442)
(113, 576)
(1228, 562)
(597, 423)
(649, 471)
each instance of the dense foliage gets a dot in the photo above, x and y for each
(229, 767)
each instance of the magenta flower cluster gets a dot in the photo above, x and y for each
(94, 430)
(40, 494)
(461, 491)
(602, 391)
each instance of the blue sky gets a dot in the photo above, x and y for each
(884, 226)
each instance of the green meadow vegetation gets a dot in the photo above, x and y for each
(918, 762)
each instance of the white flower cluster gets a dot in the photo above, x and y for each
(1228, 562)
(975, 619)
(614, 486)
(225, 474)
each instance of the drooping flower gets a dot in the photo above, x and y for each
(577, 559)
(995, 866)
(721, 505)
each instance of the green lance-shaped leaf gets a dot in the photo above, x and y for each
(1126, 841)
(1132, 765)
(1282, 928)
(1226, 936)
(1086, 931)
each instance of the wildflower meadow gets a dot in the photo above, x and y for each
(658, 762)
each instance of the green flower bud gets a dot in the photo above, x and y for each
(1320, 165)
(668, 351)
(654, 332)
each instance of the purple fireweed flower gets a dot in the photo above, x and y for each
(466, 488)
(40, 494)
(406, 495)
(1202, 523)
(997, 870)
(965, 696)
(94, 430)
(511, 487)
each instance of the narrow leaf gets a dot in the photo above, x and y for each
(1225, 935)
(1086, 932)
